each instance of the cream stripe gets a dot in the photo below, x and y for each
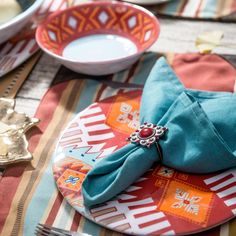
(220, 6)
(191, 8)
(63, 213)
(27, 173)
(170, 57)
(108, 232)
(202, 6)
(71, 217)
(81, 224)
(224, 229)
(49, 206)
(223, 7)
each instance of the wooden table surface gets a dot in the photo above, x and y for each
(177, 35)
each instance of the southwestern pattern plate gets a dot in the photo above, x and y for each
(163, 201)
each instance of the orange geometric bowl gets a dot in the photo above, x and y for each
(100, 37)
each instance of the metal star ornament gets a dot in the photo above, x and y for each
(13, 126)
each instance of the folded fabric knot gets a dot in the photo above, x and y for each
(200, 139)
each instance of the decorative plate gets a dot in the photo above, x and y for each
(18, 49)
(163, 201)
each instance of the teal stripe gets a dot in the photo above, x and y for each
(108, 93)
(120, 76)
(209, 9)
(39, 202)
(64, 219)
(144, 68)
(91, 228)
(171, 7)
(46, 187)
(87, 96)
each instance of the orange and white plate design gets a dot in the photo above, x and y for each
(18, 49)
(163, 201)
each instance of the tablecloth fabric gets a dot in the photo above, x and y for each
(28, 194)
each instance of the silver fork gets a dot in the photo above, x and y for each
(45, 230)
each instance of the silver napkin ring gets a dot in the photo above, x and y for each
(148, 134)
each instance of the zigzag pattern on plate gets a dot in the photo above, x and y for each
(224, 186)
(128, 214)
(89, 130)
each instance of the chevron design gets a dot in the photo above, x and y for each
(129, 214)
(86, 140)
(89, 129)
(224, 184)
(100, 18)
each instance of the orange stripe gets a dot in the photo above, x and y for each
(75, 222)
(233, 7)
(54, 209)
(182, 5)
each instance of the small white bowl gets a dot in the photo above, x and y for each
(98, 38)
(13, 26)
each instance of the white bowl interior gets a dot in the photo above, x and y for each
(99, 47)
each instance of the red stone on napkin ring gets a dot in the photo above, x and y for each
(147, 134)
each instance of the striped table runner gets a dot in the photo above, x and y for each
(28, 194)
(198, 9)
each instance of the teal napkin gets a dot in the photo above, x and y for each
(200, 138)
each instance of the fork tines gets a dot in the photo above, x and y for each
(45, 230)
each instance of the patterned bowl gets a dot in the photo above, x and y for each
(98, 38)
(11, 27)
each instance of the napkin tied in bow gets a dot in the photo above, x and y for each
(200, 139)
